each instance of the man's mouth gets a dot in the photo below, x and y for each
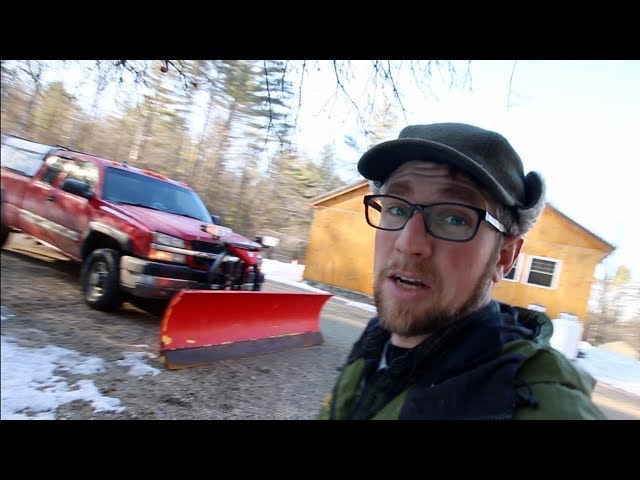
(408, 281)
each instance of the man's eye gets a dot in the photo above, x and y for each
(398, 211)
(455, 220)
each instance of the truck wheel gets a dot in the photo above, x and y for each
(4, 234)
(4, 230)
(258, 281)
(101, 280)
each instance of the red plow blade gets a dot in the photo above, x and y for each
(202, 326)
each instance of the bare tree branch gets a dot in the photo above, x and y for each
(341, 86)
(513, 71)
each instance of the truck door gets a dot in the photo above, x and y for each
(71, 213)
(35, 216)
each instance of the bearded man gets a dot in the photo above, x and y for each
(451, 205)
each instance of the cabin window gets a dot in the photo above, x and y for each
(542, 272)
(514, 273)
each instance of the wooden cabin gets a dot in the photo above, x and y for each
(554, 271)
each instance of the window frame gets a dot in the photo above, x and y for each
(556, 272)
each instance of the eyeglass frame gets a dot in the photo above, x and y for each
(424, 210)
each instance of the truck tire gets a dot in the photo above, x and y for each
(4, 234)
(258, 281)
(4, 230)
(101, 280)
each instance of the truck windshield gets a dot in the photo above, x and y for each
(121, 186)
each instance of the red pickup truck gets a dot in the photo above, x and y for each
(138, 234)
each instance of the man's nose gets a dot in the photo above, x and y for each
(414, 239)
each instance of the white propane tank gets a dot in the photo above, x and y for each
(567, 334)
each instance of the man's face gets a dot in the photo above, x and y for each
(421, 282)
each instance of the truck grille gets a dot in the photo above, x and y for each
(207, 247)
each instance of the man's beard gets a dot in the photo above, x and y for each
(408, 320)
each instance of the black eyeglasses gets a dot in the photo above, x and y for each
(455, 222)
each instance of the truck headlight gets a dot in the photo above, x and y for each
(163, 244)
(164, 256)
(164, 239)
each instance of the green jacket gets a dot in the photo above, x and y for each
(493, 364)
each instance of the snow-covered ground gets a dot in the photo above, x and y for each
(611, 368)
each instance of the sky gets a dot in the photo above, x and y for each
(33, 382)
(575, 122)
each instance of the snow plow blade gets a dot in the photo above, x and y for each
(203, 326)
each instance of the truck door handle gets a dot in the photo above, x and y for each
(51, 198)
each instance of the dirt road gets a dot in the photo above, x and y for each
(42, 291)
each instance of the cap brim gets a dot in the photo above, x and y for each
(382, 160)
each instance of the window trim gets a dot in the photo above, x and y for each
(556, 272)
(517, 265)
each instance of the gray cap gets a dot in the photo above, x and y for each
(484, 155)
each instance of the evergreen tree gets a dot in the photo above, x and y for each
(54, 117)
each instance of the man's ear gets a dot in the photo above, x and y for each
(509, 251)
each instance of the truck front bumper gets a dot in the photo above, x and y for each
(147, 279)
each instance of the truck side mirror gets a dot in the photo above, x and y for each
(216, 219)
(77, 187)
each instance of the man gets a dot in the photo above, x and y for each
(451, 205)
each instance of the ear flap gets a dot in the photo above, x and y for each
(536, 192)
(534, 188)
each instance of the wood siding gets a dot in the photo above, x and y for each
(341, 246)
(555, 236)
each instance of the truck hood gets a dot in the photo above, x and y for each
(182, 227)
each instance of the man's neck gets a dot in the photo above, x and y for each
(407, 342)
